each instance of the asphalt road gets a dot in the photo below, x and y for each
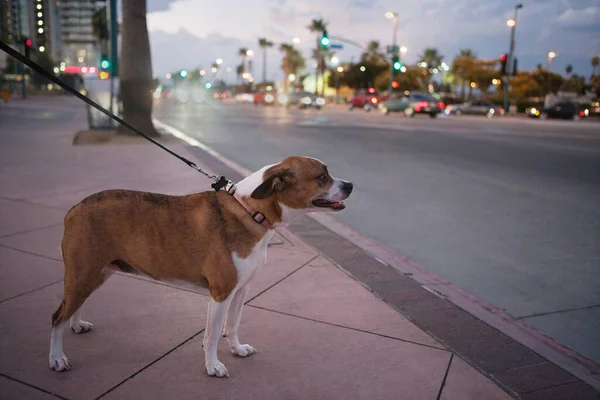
(508, 209)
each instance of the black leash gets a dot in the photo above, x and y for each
(220, 181)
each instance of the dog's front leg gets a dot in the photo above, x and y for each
(234, 317)
(214, 326)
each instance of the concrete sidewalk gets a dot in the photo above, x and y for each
(319, 333)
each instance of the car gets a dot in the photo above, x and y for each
(562, 110)
(244, 98)
(414, 103)
(365, 99)
(304, 99)
(476, 107)
(264, 98)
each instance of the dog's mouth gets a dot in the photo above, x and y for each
(334, 205)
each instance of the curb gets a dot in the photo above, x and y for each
(569, 360)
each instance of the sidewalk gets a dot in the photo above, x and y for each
(319, 333)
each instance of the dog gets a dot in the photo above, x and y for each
(215, 240)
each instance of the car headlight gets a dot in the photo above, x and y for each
(269, 98)
(320, 101)
(533, 111)
(586, 112)
(306, 100)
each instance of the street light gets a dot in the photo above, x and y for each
(340, 69)
(551, 56)
(249, 53)
(219, 61)
(213, 70)
(296, 40)
(512, 23)
(168, 76)
(393, 16)
(403, 50)
(202, 72)
(362, 68)
(335, 60)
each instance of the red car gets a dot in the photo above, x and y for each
(365, 99)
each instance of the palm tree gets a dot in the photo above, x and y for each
(243, 53)
(287, 50)
(569, 69)
(432, 58)
(239, 70)
(463, 66)
(318, 26)
(264, 44)
(136, 69)
(595, 63)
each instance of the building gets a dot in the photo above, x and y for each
(62, 29)
(79, 43)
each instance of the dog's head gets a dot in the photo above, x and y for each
(295, 186)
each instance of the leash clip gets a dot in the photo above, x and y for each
(220, 184)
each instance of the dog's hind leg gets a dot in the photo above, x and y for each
(78, 325)
(79, 285)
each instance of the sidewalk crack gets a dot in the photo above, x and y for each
(150, 364)
(31, 253)
(31, 291)
(543, 314)
(282, 279)
(33, 386)
(31, 230)
(445, 377)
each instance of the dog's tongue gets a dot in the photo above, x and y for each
(336, 205)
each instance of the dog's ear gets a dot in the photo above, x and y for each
(277, 181)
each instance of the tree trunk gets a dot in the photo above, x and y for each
(264, 65)
(136, 69)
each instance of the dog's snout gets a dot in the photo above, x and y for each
(347, 187)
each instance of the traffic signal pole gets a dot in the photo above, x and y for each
(114, 51)
(511, 55)
(394, 40)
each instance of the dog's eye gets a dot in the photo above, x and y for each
(324, 178)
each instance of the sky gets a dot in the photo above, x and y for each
(193, 33)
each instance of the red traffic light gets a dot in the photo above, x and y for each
(395, 84)
(503, 57)
(28, 42)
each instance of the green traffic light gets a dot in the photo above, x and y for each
(183, 73)
(104, 64)
(325, 39)
(208, 85)
(397, 65)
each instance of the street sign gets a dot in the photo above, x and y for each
(336, 46)
(392, 49)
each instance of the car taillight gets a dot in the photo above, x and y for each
(581, 113)
(215, 95)
(440, 105)
(223, 95)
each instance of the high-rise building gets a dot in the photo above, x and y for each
(79, 44)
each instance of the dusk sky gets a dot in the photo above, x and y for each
(193, 33)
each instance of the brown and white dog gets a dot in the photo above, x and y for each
(216, 240)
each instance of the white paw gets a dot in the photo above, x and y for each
(81, 326)
(243, 350)
(59, 363)
(217, 369)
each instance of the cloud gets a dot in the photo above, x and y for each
(543, 25)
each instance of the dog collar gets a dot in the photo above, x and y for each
(256, 215)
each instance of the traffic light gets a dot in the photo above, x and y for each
(104, 63)
(208, 85)
(396, 63)
(395, 84)
(27, 46)
(503, 65)
(325, 40)
(104, 75)
(514, 70)
(183, 73)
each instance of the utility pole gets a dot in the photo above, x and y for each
(512, 23)
(394, 16)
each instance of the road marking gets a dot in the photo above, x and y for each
(193, 142)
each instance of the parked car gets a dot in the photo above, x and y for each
(365, 99)
(477, 107)
(562, 110)
(414, 103)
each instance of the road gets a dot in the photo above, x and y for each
(507, 209)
